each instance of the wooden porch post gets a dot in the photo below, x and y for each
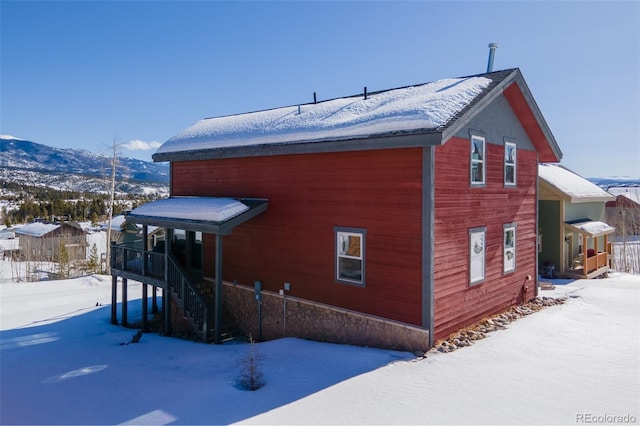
(124, 302)
(114, 299)
(144, 307)
(154, 300)
(144, 250)
(218, 294)
(166, 292)
(166, 308)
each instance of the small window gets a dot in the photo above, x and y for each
(510, 153)
(350, 255)
(476, 255)
(509, 248)
(477, 160)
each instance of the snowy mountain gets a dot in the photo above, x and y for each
(616, 182)
(23, 161)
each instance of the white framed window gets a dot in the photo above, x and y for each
(350, 255)
(509, 247)
(478, 153)
(477, 249)
(510, 163)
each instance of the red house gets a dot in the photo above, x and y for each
(389, 219)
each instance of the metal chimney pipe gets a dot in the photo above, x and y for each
(492, 53)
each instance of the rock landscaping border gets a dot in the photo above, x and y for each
(468, 335)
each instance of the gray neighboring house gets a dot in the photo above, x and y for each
(41, 241)
(127, 232)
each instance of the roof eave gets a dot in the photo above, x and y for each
(590, 199)
(410, 139)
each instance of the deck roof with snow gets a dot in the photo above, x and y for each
(214, 215)
(420, 115)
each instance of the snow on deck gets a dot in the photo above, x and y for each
(426, 106)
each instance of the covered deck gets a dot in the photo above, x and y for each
(175, 269)
(594, 250)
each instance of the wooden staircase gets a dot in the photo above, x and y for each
(196, 305)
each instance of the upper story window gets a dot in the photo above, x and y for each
(350, 255)
(478, 153)
(510, 163)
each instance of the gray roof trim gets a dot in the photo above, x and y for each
(256, 206)
(418, 138)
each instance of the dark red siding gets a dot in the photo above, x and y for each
(293, 241)
(459, 207)
(530, 123)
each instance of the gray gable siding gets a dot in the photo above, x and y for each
(496, 122)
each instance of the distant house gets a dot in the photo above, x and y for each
(388, 219)
(43, 241)
(574, 241)
(127, 232)
(122, 232)
(7, 234)
(624, 212)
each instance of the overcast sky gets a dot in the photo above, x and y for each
(81, 74)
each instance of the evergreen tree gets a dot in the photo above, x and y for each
(64, 261)
(94, 262)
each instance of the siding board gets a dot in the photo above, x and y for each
(459, 207)
(293, 241)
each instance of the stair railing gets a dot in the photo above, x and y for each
(191, 301)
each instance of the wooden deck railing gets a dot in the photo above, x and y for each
(598, 260)
(128, 258)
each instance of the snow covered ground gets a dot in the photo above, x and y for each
(62, 362)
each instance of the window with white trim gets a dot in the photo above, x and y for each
(509, 247)
(478, 145)
(510, 163)
(477, 239)
(350, 255)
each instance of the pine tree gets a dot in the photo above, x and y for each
(64, 261)
(93, 263)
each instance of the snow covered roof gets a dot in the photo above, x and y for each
(216, 215)
(117, 222)
(192, 208)
(427, 106)
(425, 109)
(571, 185)
(37, 229)
(592, 227)
(632, 193)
